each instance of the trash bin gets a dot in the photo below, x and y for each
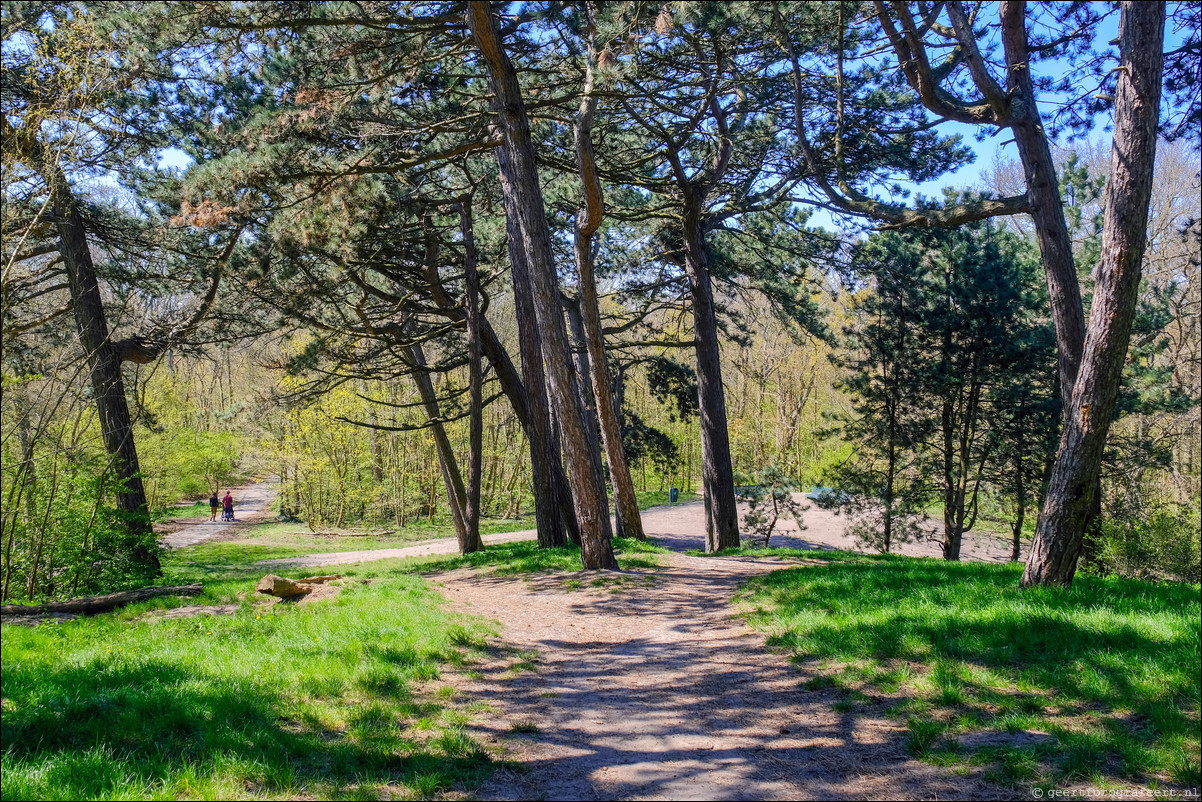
(673, 495)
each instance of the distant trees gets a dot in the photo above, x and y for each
(421, 193)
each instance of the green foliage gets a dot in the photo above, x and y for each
(960, 649)
(183, 464)
(1164, 544)
(770, 496)
(951, 370)
(64, 536)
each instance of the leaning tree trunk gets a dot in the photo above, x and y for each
(588, 219)
(1073, 485)
(449, 466)
(475, 454)
(1043, 193)
(554, 517)
(523, 200)
(547, 477)
(717, 470)
(586, 390)
(104, 359)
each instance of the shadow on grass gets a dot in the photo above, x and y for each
(1108, 667)
(322, 701)
(152, 729)
(509, 559)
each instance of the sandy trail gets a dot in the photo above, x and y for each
(657, 690)
(681, 527)
(251, 504)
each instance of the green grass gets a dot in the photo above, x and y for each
(321, 701)
(198, 510)
(297, 535)
(1108, 668)
(332, 700)
(657, 498)
(510, 559)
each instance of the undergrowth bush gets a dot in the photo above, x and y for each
(1165, 544)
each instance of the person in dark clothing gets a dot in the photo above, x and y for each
(213, 506)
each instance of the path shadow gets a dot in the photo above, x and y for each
(693, 707)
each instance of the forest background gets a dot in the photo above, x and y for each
(297, 301)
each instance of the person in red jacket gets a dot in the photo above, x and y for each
(227, 505)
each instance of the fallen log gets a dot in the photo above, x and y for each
(90, 605)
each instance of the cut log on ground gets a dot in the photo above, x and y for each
(90, 605)
(281, 587)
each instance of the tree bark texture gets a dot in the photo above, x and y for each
(587, 393)
(717, 469)
(104, 360)
(552, 498)
(628, 520)
(475, 367)
(451, 477)
(524, 201)
(1073, 484)
(1043, 195)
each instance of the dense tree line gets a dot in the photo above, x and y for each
(559, 209)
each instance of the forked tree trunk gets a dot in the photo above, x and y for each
(524, 201)
(627, 518)
(552, 497)
(1073, 484)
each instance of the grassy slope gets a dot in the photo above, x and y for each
(1109, 668)
(335, 699)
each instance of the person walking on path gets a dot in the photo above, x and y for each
(228, 504)
(213, 505)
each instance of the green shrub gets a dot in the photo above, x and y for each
(1163, 545)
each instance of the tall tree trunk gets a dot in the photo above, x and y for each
(108, 385)
(1073, 485)
(552, 498)
(1043, 194)
(717, 469)
(523, 200)
(475, 454)
(448, 465)
(627, 518)
(587, 392)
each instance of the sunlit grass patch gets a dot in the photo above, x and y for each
(1100, 680)
(320, 700)
(356, 538)
(511, 559)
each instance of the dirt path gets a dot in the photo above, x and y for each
(680, 528)
(659, 692)
(252, 503)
